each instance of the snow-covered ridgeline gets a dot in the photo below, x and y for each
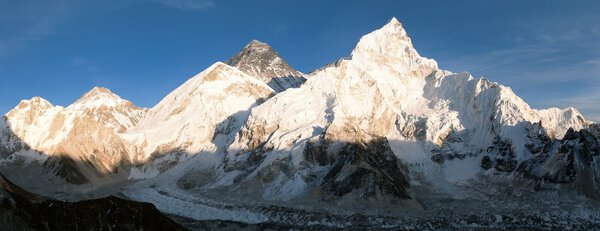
(385, 99)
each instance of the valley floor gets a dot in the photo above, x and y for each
(481, 204)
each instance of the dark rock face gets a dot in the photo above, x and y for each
(486, 162)
(365, 169)
(447, 151)
(11, 142)
(505, 156)
(261, 61)
(539, 141)
(411, 126)
(21, 210)
(316, 151)
(574, 160)
(368, 169)
(500, 156)
(66, 168)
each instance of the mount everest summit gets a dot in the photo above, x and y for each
(261, 61)
(381, 137)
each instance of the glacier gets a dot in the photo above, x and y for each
(383, 138)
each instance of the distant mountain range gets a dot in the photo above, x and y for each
(381, 139)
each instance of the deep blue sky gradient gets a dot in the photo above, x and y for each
(547, 51)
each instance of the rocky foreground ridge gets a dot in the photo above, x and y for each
(384, 133)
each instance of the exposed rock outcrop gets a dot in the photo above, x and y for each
(262, 62)
(22, 211)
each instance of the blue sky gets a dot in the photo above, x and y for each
(547, 51)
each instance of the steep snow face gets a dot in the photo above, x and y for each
(262, 62)
(369, 127)
(350, 103)
(108, 107)
(79, 143)
(32, 119)
(432, 118)
(98, 97)
(42, 125)
(199, 115)
(558, 121)
(391, 48)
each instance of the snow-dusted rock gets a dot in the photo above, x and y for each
(80, 143)
(262, 62)
(386, 90)
(381, 126)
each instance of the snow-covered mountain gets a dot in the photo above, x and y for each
(382, 130)
(197, 117)
(384, 103)
(261, 61)
(80, 143)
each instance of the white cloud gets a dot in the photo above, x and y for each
(192, 5)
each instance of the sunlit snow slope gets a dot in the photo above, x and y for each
(370, 128)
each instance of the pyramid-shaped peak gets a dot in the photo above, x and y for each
(262, 62)
(394, 22)
(394, 27)
(254, 51)
(392, 30)
(100, 92)
(390, 45)
(98, 96)
(255, 42)
(255, 47)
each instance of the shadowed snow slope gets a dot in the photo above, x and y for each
(197, 116)
(80, 143)
(386, 90)
(383, 129)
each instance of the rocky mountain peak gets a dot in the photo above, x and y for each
(27, 111)
(390, 45)
(36, 102)
(262, 62)
(99, 92)
(394, 26)
(97, 97)
(259, 46)
(374, 133)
